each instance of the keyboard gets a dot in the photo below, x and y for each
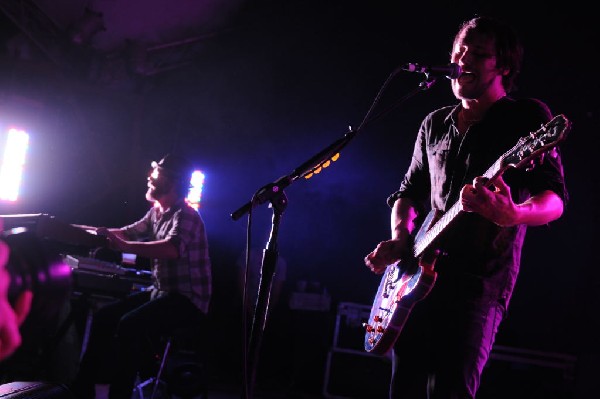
(102, 278)
(24, 389)
(95, 265)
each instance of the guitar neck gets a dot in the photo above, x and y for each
(427, 234)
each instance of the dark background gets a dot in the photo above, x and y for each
(250, 91)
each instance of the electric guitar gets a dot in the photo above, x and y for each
(403, 285)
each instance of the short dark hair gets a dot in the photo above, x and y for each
(509, 50)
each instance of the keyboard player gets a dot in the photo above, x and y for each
(172, 234)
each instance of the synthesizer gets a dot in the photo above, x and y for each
(99, 277)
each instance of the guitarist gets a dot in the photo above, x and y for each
(447, 339)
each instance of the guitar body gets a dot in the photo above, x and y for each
(399, 290)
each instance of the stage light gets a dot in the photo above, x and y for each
(13, 161)
(196, 185)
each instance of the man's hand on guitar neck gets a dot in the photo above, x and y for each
(492, 201)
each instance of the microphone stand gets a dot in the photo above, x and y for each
(269, 262)
(274, 193)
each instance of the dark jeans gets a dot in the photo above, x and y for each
(122, 336)
(444, 346)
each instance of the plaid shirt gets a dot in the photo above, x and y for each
(190, 274)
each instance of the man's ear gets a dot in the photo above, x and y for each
(171, 185)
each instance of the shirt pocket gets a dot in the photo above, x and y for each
(438, 157)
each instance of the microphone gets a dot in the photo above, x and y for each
(451, 71)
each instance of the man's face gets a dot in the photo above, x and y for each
(158, 185)
(476, 55)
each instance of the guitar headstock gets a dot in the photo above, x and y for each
(538, 142)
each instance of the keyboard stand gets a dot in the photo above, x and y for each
(81, 307)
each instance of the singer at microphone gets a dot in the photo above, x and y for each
(451, 71)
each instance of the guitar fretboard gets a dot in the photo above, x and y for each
(422, 242)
